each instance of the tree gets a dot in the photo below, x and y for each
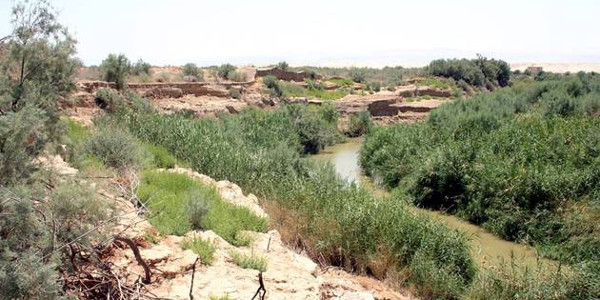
(37, 57)
(140, 67)
(115, 68)
(37, 65)
(224, 70)
(283, 66)
(190, 69)
(357, 75)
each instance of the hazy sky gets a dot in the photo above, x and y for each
(337, 32)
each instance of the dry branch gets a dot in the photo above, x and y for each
(261, 288)
(138, 257)
(192, 281)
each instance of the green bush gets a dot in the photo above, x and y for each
(476, 72)
(374, 86)
(204, 249)
(273, 84)
(224, 69)
(357, 75)
(521, 162)
(116, 148)
(32, 231)
(342, 82)
(115, 68)
(314, 85)
(161, 158)
(249, 261)
(283, 65)
(190, 69)
(22, 137)
(237, 76)
(23, 272)
(359, 124)
(110, 100)
(141, 68)
(77, 211)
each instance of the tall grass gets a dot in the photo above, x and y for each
(179, 204)
(523, 162)
(205, 249)
(337, 224)
(249, 261)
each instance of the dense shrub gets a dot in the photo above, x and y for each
(224, 70)
(522, 162)
(359, 124)
(314, 131)
(115, 68)
(283, 65)
(273, 84)
(23, 273)
(116, 148)
(22, 137)
(32, 232)
(237, 76)
(314, 85)
(477, 72)
(374, 86)
(190, 69)
(110, 100)
(40, 212)
(141, 68)
(161, 158)
(357, 75)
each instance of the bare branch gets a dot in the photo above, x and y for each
(138, 257)
(192, 281)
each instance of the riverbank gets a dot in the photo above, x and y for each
(487, 248)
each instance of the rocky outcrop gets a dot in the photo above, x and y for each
(287, 75)
(289, 274)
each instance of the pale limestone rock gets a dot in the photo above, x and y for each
(56, 164)
(357, 296)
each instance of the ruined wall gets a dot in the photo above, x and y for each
(382, 108)
(168, 89)
(287, 75)
(425, 91)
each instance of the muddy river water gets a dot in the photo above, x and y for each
(487, 248)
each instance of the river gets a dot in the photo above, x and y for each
(487, 248)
